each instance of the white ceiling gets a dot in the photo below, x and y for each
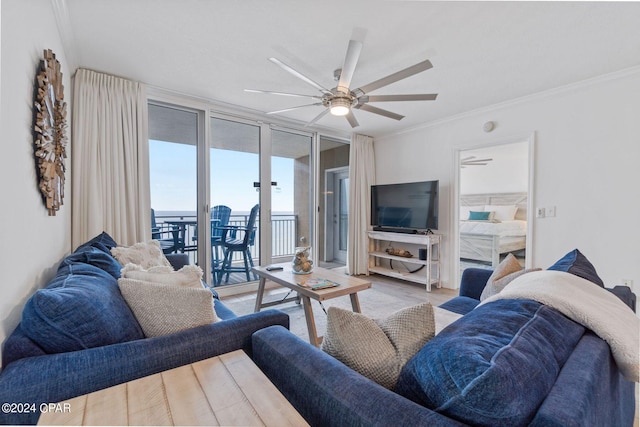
(483, 53)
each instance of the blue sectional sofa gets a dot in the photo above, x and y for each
(509, 362)
(97, 342)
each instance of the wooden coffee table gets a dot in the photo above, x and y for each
(225, 390)
(348, 285)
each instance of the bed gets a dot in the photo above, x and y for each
(484, 240)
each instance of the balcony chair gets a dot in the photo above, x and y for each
(169, 237)
(220, 215)
(242, 242)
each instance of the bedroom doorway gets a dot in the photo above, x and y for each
(493, 204)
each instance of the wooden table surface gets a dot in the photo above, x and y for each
(286, 278)
(225, 390)
(348, 285)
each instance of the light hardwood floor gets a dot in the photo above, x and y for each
(386, 296)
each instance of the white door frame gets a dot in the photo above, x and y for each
(455, 200)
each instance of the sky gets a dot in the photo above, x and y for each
(173, 177)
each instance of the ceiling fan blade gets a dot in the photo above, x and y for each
(318, 117)
(380, 111)
(352, 119)
(294, 108)
(402, 74)
(472, 160)
(269, 92)
(415, 97)
(349, 65)
(299, 75)
(467, 158)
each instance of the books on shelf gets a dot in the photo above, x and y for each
(317, 284)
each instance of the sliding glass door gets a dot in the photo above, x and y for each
(292, 196)
(235, 193)
(173, 163)
(234, 151)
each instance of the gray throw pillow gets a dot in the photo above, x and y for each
(378, 349)
(163, 309)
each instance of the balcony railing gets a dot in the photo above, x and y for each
(283, 232)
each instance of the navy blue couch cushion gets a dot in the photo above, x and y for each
(18, 346)
(472, 283)
(576, 263)
(102, 241)
(93, 256)
(222, 311)
(78, 310)
(460, 304)
(494, 366)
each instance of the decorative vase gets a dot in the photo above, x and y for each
(301, 264)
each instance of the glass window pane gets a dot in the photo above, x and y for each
(291, 195)
(234, 171)
(173, 137)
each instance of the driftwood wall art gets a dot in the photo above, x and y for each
(50, 132)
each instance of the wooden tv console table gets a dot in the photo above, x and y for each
(380, 262)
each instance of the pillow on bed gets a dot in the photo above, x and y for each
(479, 216)
(503, 212)
(464, 210)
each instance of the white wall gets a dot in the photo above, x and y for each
(587, 164)
(33, 243)
(507, 160)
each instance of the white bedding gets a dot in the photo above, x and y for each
(502, 229)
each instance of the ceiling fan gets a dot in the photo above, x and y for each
(341, 100)
(473, 161)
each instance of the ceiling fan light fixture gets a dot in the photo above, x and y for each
(340, 106)
(339, 100)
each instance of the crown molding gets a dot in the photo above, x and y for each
(522, 100)
(65, 30)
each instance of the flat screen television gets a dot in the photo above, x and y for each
(406, 207)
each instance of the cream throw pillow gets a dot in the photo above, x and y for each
(163, 309)
(189, 275)
(378, 349)
(145, 254)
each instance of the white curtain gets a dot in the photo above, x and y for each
(361, 177)
(110, 159)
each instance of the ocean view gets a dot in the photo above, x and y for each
(192, 214)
